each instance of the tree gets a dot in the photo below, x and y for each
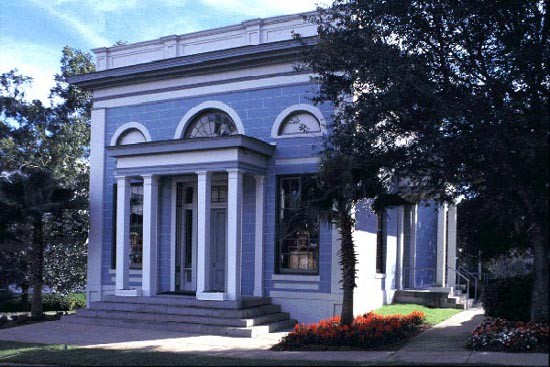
(55, 138)
(453, 99)
(31, 197)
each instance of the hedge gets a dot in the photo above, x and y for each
(50, 302)
(508, 298)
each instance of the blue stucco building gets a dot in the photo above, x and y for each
(202, 152)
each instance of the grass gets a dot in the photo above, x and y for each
(433, 315)
(27, 353)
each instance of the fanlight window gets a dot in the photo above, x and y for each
(131, 136)
(210, 124)
(300, 122)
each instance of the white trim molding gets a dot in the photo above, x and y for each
(128, 126)
(95, 235)
(298, 108)
(188, 117)
(295, 278)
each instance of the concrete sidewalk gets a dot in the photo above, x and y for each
(441, 345)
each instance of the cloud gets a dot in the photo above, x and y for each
(88, 32)
(263, 8)
(34, 60)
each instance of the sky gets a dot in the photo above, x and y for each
(33, 32)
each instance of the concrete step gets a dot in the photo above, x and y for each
(183, 310)
(187, 319)
(182, 301)
(251, 331)
(431, 298)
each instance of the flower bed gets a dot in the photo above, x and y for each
(367, 332)
(509, 336)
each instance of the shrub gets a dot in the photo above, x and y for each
(509, 336)
(64, 302)
(5, 295)
(50, 302)
(76, 300)
(508, 299)
(369, 331)
(15, 305)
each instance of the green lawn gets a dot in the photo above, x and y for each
(433, 315)
(27, 353)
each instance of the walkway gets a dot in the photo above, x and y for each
(439, 345)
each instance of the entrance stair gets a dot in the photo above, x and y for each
(440, 297)
(247, 317)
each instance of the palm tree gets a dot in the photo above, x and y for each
(30, 196)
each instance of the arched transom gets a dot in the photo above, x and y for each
(211, 123)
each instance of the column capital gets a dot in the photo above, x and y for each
(203, 174)
(259, 178)
(123, 179)
(150, 179)
(234, 172)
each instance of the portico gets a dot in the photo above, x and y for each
(214, 227)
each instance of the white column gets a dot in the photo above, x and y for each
(441, 248)
(97, 183)
(150, 235)
(122, 235)
(259, 237)
(451, 246)
(234, 220)
(400, 244)
(204, 180)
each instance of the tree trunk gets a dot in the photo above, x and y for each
(540, 292)
(348, 261)
(37, 269)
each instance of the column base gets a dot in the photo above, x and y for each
(128, 292)
(212, 296)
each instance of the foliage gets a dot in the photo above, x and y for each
(51, 302)
(483, 229)
(500, 335)
(508, 298)
(36, 137)
(5, 295)
(514, 263)
(369, 331)
(32, 196)
(450, 97)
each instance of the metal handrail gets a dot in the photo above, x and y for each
(475, 280)
(466, 306)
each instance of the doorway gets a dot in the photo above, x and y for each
(186, 238)
(218, 235)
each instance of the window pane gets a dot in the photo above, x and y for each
(219, 194)
(136, 225)
(189, 195)
(381, 243)
(188, 238)
(210, 124)
(298, 226)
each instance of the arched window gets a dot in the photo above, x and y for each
(210, 124)
(131, 136)
(299, 122)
